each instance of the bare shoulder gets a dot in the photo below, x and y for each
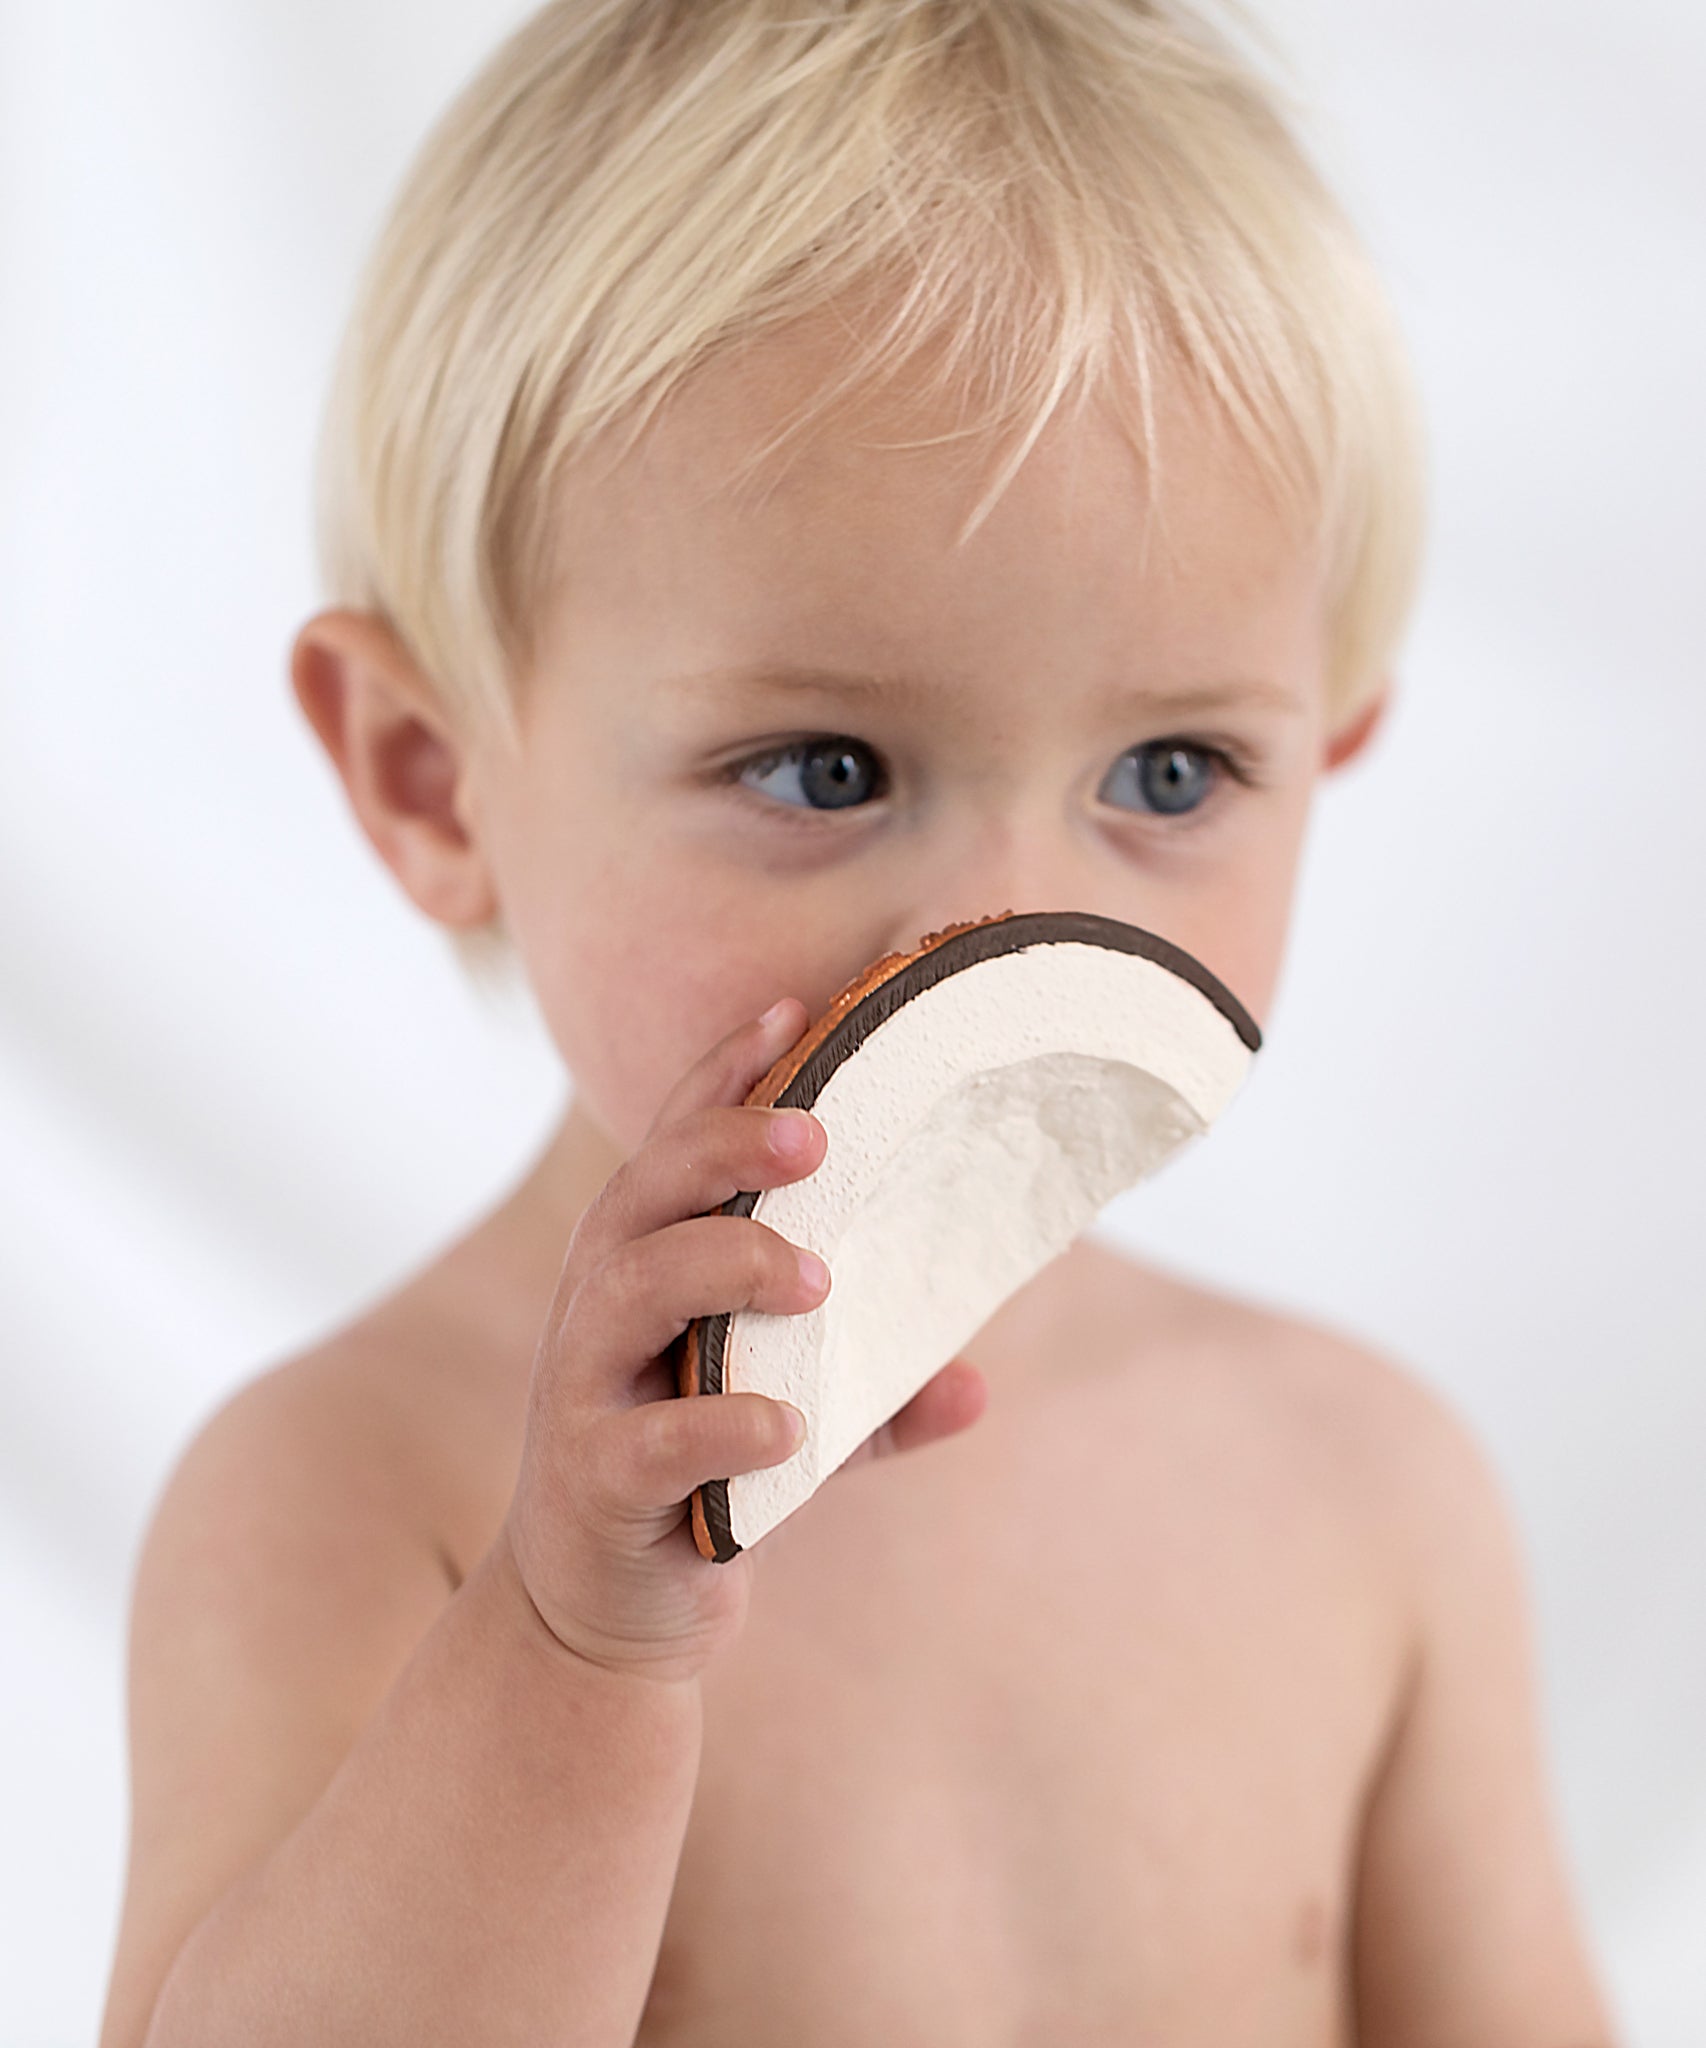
(300, 1549)
(1405, 1460)
(1328, 1376)
(318, 1457)
(338, 1486)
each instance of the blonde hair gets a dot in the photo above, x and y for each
(1071, 194)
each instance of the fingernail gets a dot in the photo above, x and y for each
(796, 1424)
(773, 1016)
(790, 1133)
(813, 1270)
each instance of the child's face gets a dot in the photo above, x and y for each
(663, 884)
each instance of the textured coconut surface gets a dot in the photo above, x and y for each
(976, 1124)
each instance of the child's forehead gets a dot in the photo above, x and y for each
(842, 557)
(761, 447)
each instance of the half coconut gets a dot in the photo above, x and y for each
(983, 1097)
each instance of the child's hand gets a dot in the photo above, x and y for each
(598, 1523)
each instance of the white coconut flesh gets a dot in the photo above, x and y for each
(971, 1137)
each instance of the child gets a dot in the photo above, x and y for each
(443, 1731)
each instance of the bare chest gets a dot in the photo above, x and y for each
(1053, 1733)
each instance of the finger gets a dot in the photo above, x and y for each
(699, 1163)
(649, 1459)
(636, 1302)
(726, 1072)
(950, 1401)
(645, 1192)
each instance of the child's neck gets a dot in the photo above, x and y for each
(567, 1176)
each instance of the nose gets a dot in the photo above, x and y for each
(1011, 866)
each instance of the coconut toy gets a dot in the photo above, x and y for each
(983, 1098)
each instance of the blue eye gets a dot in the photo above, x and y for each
(1172, 776)
(829, 771)
(833, 772)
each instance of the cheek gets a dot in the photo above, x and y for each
(639, 969)
(1253, 955)
(1247, 922)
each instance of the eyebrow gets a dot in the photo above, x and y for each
(892, 687)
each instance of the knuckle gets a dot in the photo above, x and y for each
(604, 1302)
(697, 1139)
(555, 1340)
(704, 1126)
(596, 1228)
(658, 1430)
(604, 1214)
(623, 1270)
(615, 1460)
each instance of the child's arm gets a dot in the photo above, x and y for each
(1465, 1927)
(493, 1858)
(369, 1810)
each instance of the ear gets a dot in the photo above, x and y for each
(1351, 739)
(402, 765)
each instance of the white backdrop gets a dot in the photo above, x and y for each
(242, 1090)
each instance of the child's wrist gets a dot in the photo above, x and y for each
(521, 1616)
